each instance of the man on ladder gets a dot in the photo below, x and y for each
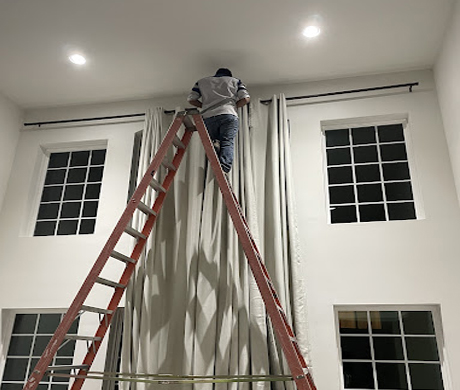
(220, 96)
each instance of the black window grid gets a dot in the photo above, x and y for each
(405, 360)
(80, 220)
(13, 360)
(382, 182)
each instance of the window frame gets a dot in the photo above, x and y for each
(438, 329)
(39, 176)
(8, 317)
(379, 120)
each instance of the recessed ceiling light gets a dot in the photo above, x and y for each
(77, 59)
(311, 31)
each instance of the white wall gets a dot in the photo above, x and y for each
(10, 123)
(399, 262)
(447, 75)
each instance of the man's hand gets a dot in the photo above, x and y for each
(242, 102)
(196, 103)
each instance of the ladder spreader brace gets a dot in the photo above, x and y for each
(192, 121)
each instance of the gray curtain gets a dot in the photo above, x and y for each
(193, 306)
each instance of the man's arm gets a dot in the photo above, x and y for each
(242, 102)
(196, 103)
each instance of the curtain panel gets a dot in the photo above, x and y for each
(192, 307)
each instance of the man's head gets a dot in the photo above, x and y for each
(223, 72)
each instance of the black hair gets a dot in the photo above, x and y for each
(223, 72)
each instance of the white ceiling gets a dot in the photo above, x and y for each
(146, 48)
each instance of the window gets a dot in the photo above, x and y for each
(394, 349)
(70, 196)
(368, 174)
(31, 334)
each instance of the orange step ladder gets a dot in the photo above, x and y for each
(192, 121)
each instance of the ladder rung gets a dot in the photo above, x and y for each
(96, 310)
(122, 257)
(78, 337)
(178, 143)
(169, 165)
(109, 283)
(65, 368)
(146, 209)
(157, 186)
(135, 233)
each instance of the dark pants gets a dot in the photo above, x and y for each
(223, 128)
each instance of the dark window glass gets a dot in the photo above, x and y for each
(353, 322)
(92, 191)
(396, 171)
(98, 157)
(367, 173)
(90, 209)
(426, 376)
(372, 212)
(51, 194)
(398, 191)
(343, 214)
(40, 344)
(59, 387)
(73, 192)
(95, 174)
(11, 386)
(45, 228)
(370, 193)
(338, 156)
(417, 322)
(401, 211)
(337, 138)
(79, 159)
(341, 194)
(48, 211)
(364, 154)
(355, 347)
(67, 227)
(15, 369)
(358, 375)
(20, 345)
(77, 175)
(391, 376)
(390, 133)
(70, 210)
(422, 348)
(385, 322)
(340, 175)
(388, 348)
(393, 152)
(363, 135)
(87, 226)
(56, 176)
(58, 160)
(68, 349)
(24, 323)
(74, 327)
(48, 323)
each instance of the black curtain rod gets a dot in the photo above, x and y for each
(407, 85)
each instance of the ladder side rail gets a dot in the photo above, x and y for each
(56, 340)
(302, 379)
(126, 276)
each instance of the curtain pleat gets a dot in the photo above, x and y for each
(193, 306)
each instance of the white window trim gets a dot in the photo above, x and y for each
(376, 120)
(8, 317)
(39, 175)
(436, 312)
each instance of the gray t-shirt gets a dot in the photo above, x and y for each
(218, 95)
